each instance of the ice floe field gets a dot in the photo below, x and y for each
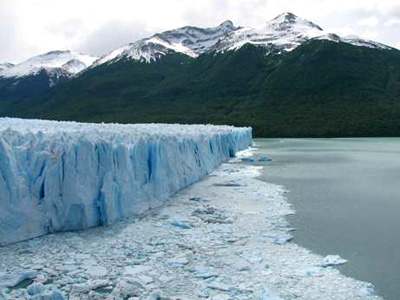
(224, 237)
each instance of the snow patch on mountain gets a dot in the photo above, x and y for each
(285, 32)
(61, 176)
(353, 40)
(5, 65)
(55, 62)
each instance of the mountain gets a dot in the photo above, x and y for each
(285, 33)
(65, 62)
(286, 77)
(189, 40)
(36, 75)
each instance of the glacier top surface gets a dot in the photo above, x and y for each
(119, 133)
(67, 62)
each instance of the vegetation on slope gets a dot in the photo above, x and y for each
(320, 89)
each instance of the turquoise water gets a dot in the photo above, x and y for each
(346, 193)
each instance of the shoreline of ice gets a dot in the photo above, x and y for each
(62, 176)
(225, 237)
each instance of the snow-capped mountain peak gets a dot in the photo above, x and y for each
(285, 32)
(65, 62)
(189, 40)
(289, 20)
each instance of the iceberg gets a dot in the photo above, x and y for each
(63, 176)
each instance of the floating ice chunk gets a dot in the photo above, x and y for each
(280, 239)
(264, 159)
(13, 279)
(96, 271)
(203, 272)
(262, 293)
(178, 261)
(254, 257)
(247, 159)
(332, 260)
(135, 270)
(249, 152)
(219, 286)
(180, 224)
(35, 288)
(367, 289)
(125, 289)
(50, 295)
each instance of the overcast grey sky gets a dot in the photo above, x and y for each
(31, 27)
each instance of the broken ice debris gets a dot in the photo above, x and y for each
(332, 260)
(251, 159)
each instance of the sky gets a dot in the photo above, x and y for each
(32, 27)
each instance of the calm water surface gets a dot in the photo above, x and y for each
(346, 193)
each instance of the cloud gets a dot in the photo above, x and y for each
(8, 31)
(394, 12)
(30, 27)
(69, 28)
(369, 22)
(369, 35)
(111, 35)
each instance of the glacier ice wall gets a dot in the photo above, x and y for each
(60, 176)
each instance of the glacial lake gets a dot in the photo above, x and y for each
(346, 193)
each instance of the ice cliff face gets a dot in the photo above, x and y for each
(59, 176)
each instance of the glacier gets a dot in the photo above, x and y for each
(63, 176)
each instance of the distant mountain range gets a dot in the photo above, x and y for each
(287, 77)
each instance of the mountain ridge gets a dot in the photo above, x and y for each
(52, 61)
(285, 32)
